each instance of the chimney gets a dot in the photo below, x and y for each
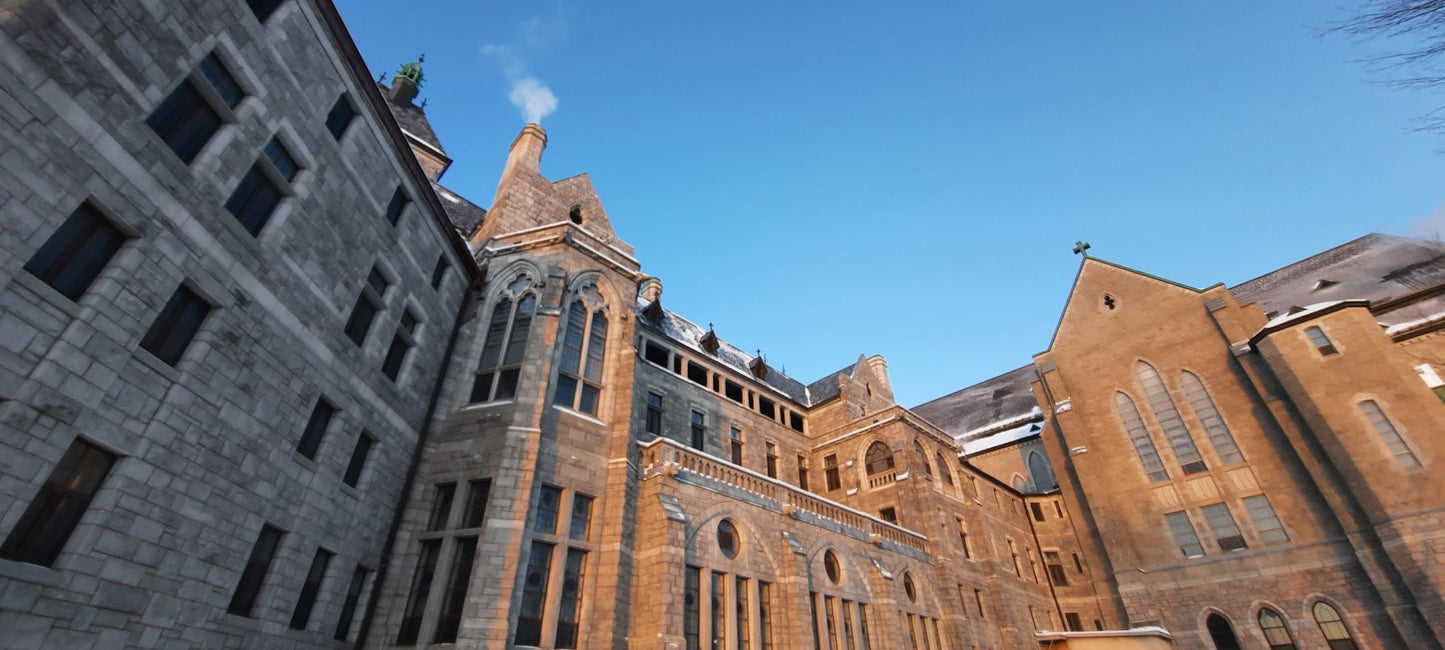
(526, 151)
(880, 368)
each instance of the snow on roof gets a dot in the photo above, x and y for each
(1409, 325)
(1374, 267)
(1303, 314)
(1028, 426)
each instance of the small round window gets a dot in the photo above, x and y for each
(830, 564)
(727, 538)
(909, 589)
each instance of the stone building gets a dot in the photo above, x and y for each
(265, 382)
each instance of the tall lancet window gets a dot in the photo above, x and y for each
(501, 365)
(1143, 444)
(1174, 431)
(1219, 434)
(584, 347)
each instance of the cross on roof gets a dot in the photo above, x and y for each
(1081, 248)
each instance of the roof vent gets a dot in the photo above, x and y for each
(1295, 309)
(1324, 284)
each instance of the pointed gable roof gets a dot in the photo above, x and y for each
(1094, 264)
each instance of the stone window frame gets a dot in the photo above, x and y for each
(564, 545)
(1410, 453)
(1168, 417)
(460, 524)
(1205, 410)
(519, 287)
(205, 98)
(594, 312)
(714, 569)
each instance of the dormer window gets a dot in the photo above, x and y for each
(1321, 341)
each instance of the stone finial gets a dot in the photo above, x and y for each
(650, 289)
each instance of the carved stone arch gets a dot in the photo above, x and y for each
(920, 456)
(1312, 600)
(1216, 628)
(513, 279)
(595, 289)
(756, 558)
(928, 602)
(880, 451)
(1256, 629)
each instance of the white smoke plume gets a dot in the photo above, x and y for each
(532, 97)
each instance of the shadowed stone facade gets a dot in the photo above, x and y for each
(264, 382)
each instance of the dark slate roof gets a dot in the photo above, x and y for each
(412, 119)
(827, 388)
(690, 334)
(465, 215)
(1001, 399)
(1374, 267)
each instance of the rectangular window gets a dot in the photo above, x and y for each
(733, 391)
(1222, 525)
(1321, 341)
(889, 515)
(831, 620)
(455, 598)
(1038, 511)
(767, 408)
(76, 252)
(802, 472)
(1389, 434)
(348, 606)
(1058, 509)
(401, 344)
(441, 507)
(830, 472)
(439, 272)
(426, 567)
(549, 502)
(316, 426)
(185, 120)
(569, 611)
(697, 373)
(978, 600)
(1071, 620)
(795, 421)
(534, 595)
(1056, 569)
(257, 195)
(772, 460)
(1265, 522)
(1184, 535)
(263, 8)
(1078, 564)
(396, 206)
(699, 430)
(765, 615)
(813, 609)
(477, 493)
(581, 516)
(364, 443)
(736, 442)
(719, 613)
(56, 510)
(307, 600)
(244, 598)
(847, 615)
(655, 354)
(368, 304)
(863, 626)
(691, 631)
(339, 117)
(653, 423)
(176, 325)
(744, 626)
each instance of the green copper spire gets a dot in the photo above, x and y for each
(412, 71)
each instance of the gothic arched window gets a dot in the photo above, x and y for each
(1221, 632)
(1275, 632)
(1214, 426)
(1333, 627)
(1143, 444)
(1039, 471)
(943, 471)
(879, 459)
(583, 349)
(498, 372)
(922, 459)
(1174, 430)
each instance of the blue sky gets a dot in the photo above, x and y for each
(822, 180)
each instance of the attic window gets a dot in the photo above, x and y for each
(697, 373)
(1108, 301)
(765, 406)
(795, 421)
(575, 214)
(709, 341)
(655, 353)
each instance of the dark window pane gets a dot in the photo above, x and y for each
(566, 390)
(57, 508)
(496, 332)
(263, 8)
(439, 272)
(315, 428)
(395, 356)
(534, 595)
(477, 495)
(581, 515)
(358, 459)
(507, 383)
(570, 608)
(77, 252)
(176, 325)
(221, 80)
(282, 159)
(441, 508)
(588, 403)
(254, 200)
(596, 347)
(521, 326)
(426, 566)
(393, 209)
(307, 600)
(377, 281)
(361, 316)
(255, 572)
(548, 504)
(481, 388)
(348, 607)
(339, 117)
(455, 597)
(185, 121)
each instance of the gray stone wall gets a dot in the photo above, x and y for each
(207, 448)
